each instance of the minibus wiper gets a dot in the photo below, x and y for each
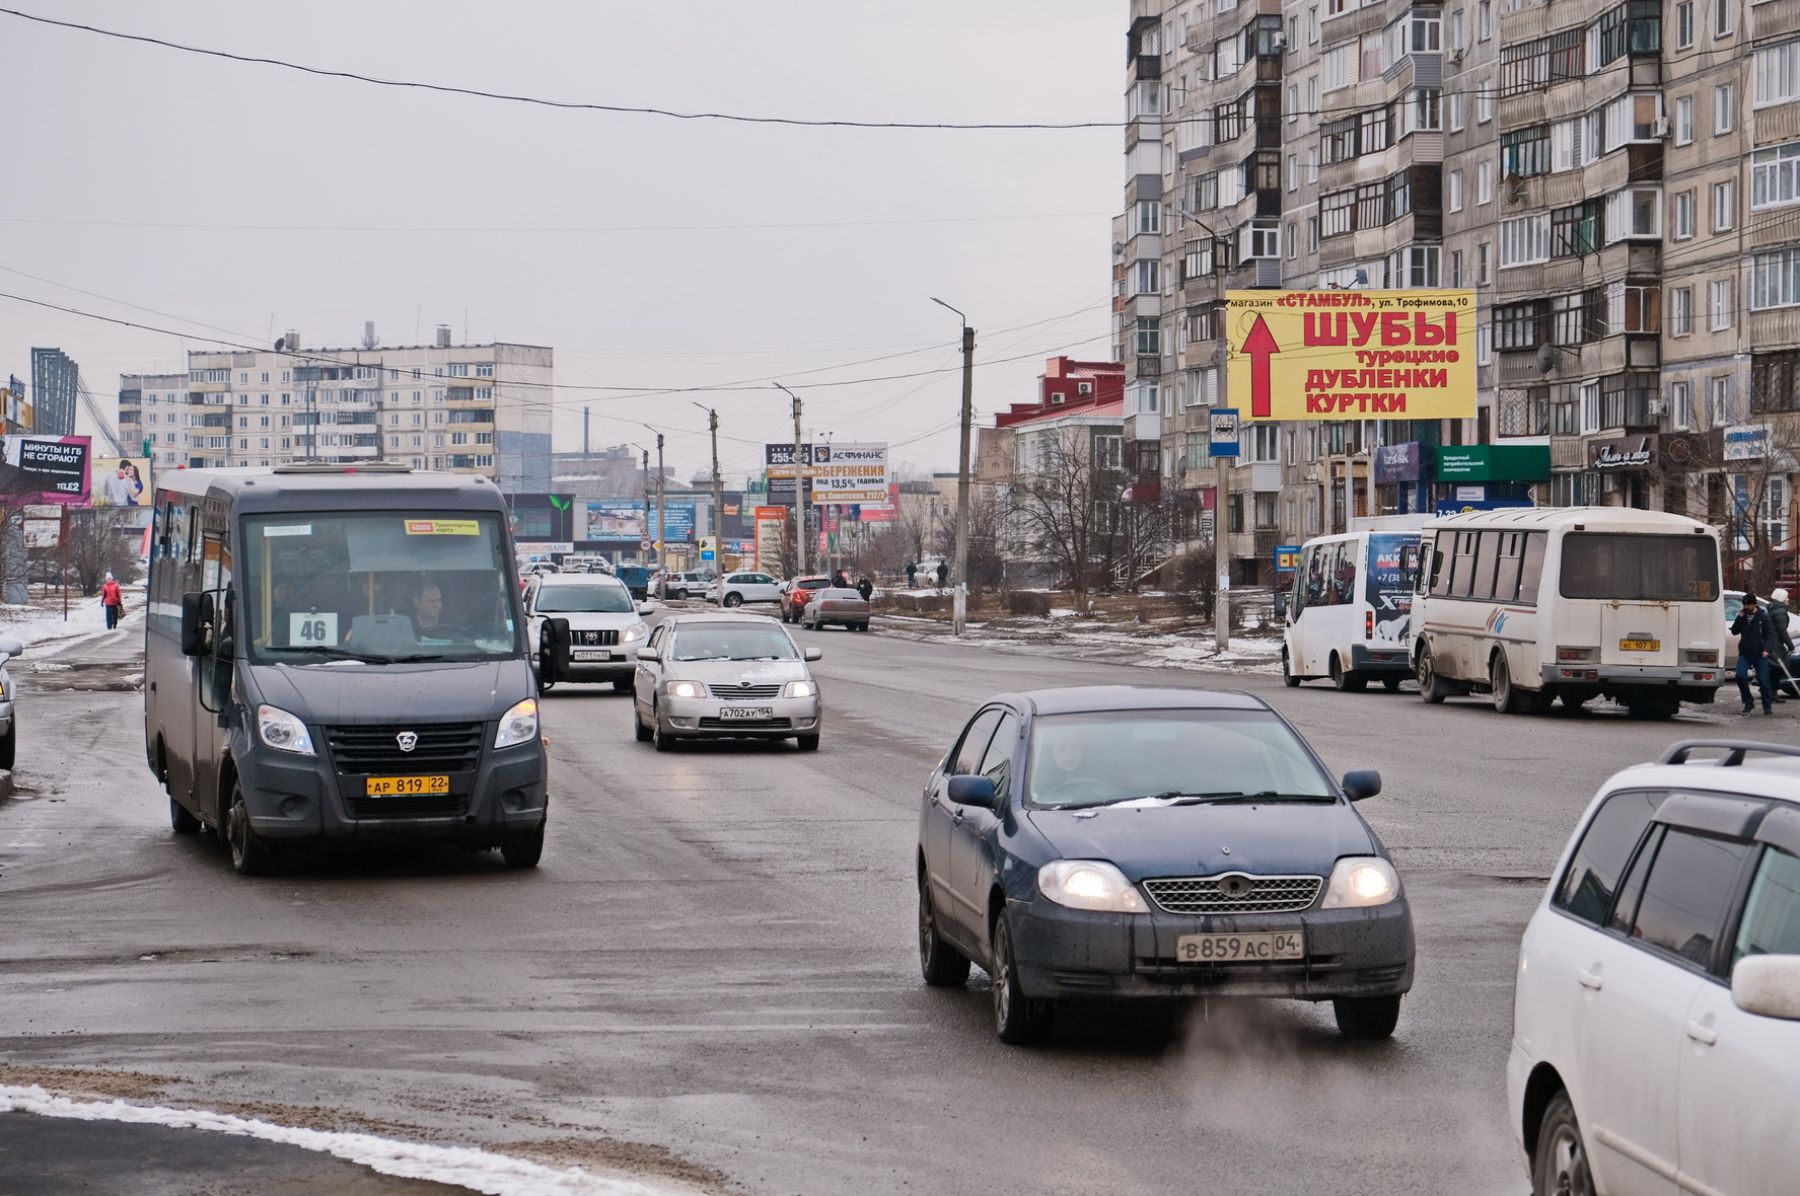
(334, 653)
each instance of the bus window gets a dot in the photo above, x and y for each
(1640, 568)
(1343, 573)
(1463, 577)
(1487, 562)
(1315, 575)
(1506, 569)
(1531, 571)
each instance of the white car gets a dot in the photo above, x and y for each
(1656, 1020)
(725, 676)
(605, 628)
(9, 726)
(739, 588)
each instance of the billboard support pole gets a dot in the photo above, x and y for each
(62, 556)
(1222, 555)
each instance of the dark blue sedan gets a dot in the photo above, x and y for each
(1111, 842)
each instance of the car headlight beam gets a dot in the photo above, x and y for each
(1361, 881)
(518, 725)
(686, 689)
(1089, 884)
(634, 633)
(799, 689)
(282, 731)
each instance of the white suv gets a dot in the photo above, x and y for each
(1656, 1020)
(740, 588)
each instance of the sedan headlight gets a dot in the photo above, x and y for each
(282, 731)
(686, 689)
(634, 633)
(1089, 884)
(799, 689)
(518, 725)
(1361, 881)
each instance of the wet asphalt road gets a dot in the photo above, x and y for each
(712, 976)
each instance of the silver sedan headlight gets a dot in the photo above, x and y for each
(800, 689)
(1089, 884)
(686, 689)
(1360, 881)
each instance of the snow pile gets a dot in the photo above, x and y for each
(477, 1170)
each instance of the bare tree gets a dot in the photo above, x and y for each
(1064, 508)
(101, 541)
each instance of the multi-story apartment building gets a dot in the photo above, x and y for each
(1606, 176)
(55, 392)
(483, 409)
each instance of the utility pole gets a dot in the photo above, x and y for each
(799, 489)
(718, 488)
(960, 594)
(646, 453)
(1222, 555)
(661, 539)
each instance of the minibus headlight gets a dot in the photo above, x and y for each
(282, 731)
(518, 725)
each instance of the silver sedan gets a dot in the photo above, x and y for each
(725, 676)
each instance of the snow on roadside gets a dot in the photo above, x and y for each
(42, 621)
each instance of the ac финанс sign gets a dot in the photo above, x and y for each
(1631, 452)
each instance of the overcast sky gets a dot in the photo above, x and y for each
(132, 173)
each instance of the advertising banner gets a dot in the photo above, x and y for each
(624, 519)
(771, 537)
(854, 473)
(1393, 567)
(1351, 354)
(1395, 463)
(52, 469)
(122, 481)
(1746, 442)
(43, 533)
(778, 459)
(1462, 506)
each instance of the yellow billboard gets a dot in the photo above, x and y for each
(1350, 354)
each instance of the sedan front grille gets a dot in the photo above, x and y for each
(603, 638)
(745, 693)
(375, 750)
(1235, 893)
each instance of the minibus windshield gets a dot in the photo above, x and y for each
(377, 587)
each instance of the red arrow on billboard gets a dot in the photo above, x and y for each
(1260, 345)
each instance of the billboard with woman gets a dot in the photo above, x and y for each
(121, 481)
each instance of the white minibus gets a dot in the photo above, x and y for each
(1539, 603)
(1347, 611)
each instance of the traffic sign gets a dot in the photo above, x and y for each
(1224, 423)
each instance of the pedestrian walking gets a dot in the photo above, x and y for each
(943, 574)
(1756, 638)
(113, 599)
(865, 587)
(912, 574)
(1783, 650)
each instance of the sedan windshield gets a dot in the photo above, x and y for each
(584, 600)
(733, 641)
(1168, 756)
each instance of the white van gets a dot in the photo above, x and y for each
(1349, 608)
(1534, 604)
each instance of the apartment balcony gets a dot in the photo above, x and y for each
(1351, 25)
(1144, 128)
(1148, 66)
(1257, 273)
(1203, 288)
(1143, 425)
(1149, 365)
(1777, 18)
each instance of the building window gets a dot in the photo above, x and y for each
(1681, 406)
(1149, 338)
(1456, 112)
(1684, 25)
(1481, 264)
(1575, 230)
(1682, 218)
(1722, 18)
(1718, 401)
(1722, 114)
(1724, 205)
(1775, 176)
(1456, 269)
(1336, 63)
(1774, 382)
(1518, 325)
(1777, 73)
(1525, 240)
(1684, 120)
(1526, 152)
(1681, 311)
(1721, 295)
(1456, 194)
(1149, 214)
(1484, 183)
(1484, 345)
(1633, 214)
(1775, 279)
(1484, 106)
(1147, 280)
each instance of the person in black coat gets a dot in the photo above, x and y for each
(866, 588)
(1756, 639)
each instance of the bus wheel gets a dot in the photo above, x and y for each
(1430, 688)
(1347, 680)
(1507, 697)
(1287, 673)
(250, 855)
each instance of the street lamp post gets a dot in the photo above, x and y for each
(660, 541)
(799, 488)
(960, 595)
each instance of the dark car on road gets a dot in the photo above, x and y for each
(1108, 842)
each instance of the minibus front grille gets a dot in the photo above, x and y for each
(376, 750)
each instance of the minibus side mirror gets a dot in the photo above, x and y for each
(553, 651)
(1281, 604)
(196, 617)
